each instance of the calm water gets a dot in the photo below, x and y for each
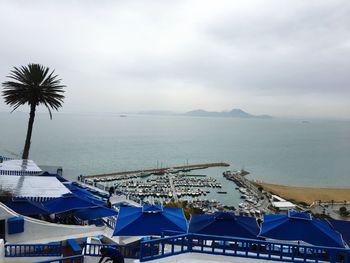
(277, 151)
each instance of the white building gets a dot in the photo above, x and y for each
(280, 204)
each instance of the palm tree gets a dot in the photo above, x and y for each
(33, 84)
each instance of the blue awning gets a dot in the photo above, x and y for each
(145, 221)
(224, 224)
(94, 213)
(300, 227)
(82, 193)
(343, 227)
(26, 207)
(66, 203)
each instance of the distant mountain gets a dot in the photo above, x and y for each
(235, 113)
(157, 112)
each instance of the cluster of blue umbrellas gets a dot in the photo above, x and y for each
(295, 226)
(154, 220)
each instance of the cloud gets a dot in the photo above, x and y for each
(181, 55)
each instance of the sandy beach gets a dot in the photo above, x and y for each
(308, 194)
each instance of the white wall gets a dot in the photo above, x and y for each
(37, 231)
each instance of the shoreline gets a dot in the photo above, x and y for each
(307, 195)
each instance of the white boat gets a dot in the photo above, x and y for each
(243, 190)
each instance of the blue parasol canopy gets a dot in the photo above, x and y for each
(224, 224)
(300, 227)
(26, 207)
(66, 203)
(343, 227)
(149, 220)
(94, 213)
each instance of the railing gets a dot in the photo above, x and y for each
(168, 233)
(71, 259)
(110, 222)
(183, 243)
(164, 247)
(10, 172)
(239, 247)
(33, 250)
(4, 158)
(128, 251)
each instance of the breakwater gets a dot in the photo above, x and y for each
(156, 171)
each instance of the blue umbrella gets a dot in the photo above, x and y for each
(224, 224)
(343, 227)
(300, 227)
(95, 213)
(149, 220)
(66, 203)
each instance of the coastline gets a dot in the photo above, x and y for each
(307, 195)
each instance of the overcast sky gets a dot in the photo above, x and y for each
(283, 58)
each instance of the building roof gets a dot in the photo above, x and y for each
(283, 204)
(32, 186)
(277, 198)
(24, 166)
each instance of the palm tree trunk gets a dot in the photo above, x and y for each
(29, 132)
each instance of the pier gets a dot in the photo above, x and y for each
(254, 202)
(158, 171)
(173, 189)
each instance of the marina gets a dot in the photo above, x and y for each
(175, 186)
(166, 188)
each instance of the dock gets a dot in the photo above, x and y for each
(157, 170)
(173, 189)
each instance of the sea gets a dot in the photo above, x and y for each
(282, 151)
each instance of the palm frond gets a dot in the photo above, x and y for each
(33, 84)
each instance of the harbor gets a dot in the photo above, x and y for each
(207, 191)
(167, 188)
